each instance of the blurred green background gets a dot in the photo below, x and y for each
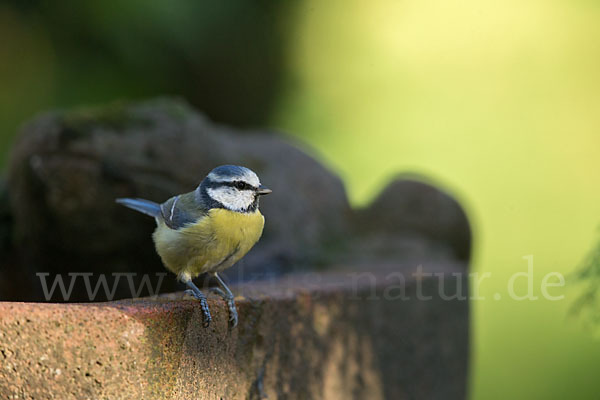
(499, 102)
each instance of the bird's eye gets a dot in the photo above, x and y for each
(241, 185)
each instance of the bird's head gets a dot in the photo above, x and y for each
(232, 187)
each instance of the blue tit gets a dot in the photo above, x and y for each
(208, 230)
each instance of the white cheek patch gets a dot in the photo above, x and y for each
(248, 177)
(231, 198)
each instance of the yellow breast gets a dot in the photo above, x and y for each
(212, 244)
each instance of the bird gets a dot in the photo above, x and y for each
(208, 229)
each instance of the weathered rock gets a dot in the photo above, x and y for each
(67, 168)
(336, 339)
(302, 336)
(412, 217)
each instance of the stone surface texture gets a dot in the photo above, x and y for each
(336, 338)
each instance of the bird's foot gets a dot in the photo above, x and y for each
(206, 318)
(233, 315)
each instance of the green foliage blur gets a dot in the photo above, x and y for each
(496, 101)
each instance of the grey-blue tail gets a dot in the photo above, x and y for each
(144, 206)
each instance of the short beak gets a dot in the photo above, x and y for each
(263, 190)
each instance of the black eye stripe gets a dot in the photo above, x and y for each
(241, 185)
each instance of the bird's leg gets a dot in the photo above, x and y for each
(198, 295)
(226, 294)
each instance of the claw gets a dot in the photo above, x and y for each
(206, 317)
(226, 294)
(233, 316)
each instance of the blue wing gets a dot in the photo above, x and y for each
(175, 212)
